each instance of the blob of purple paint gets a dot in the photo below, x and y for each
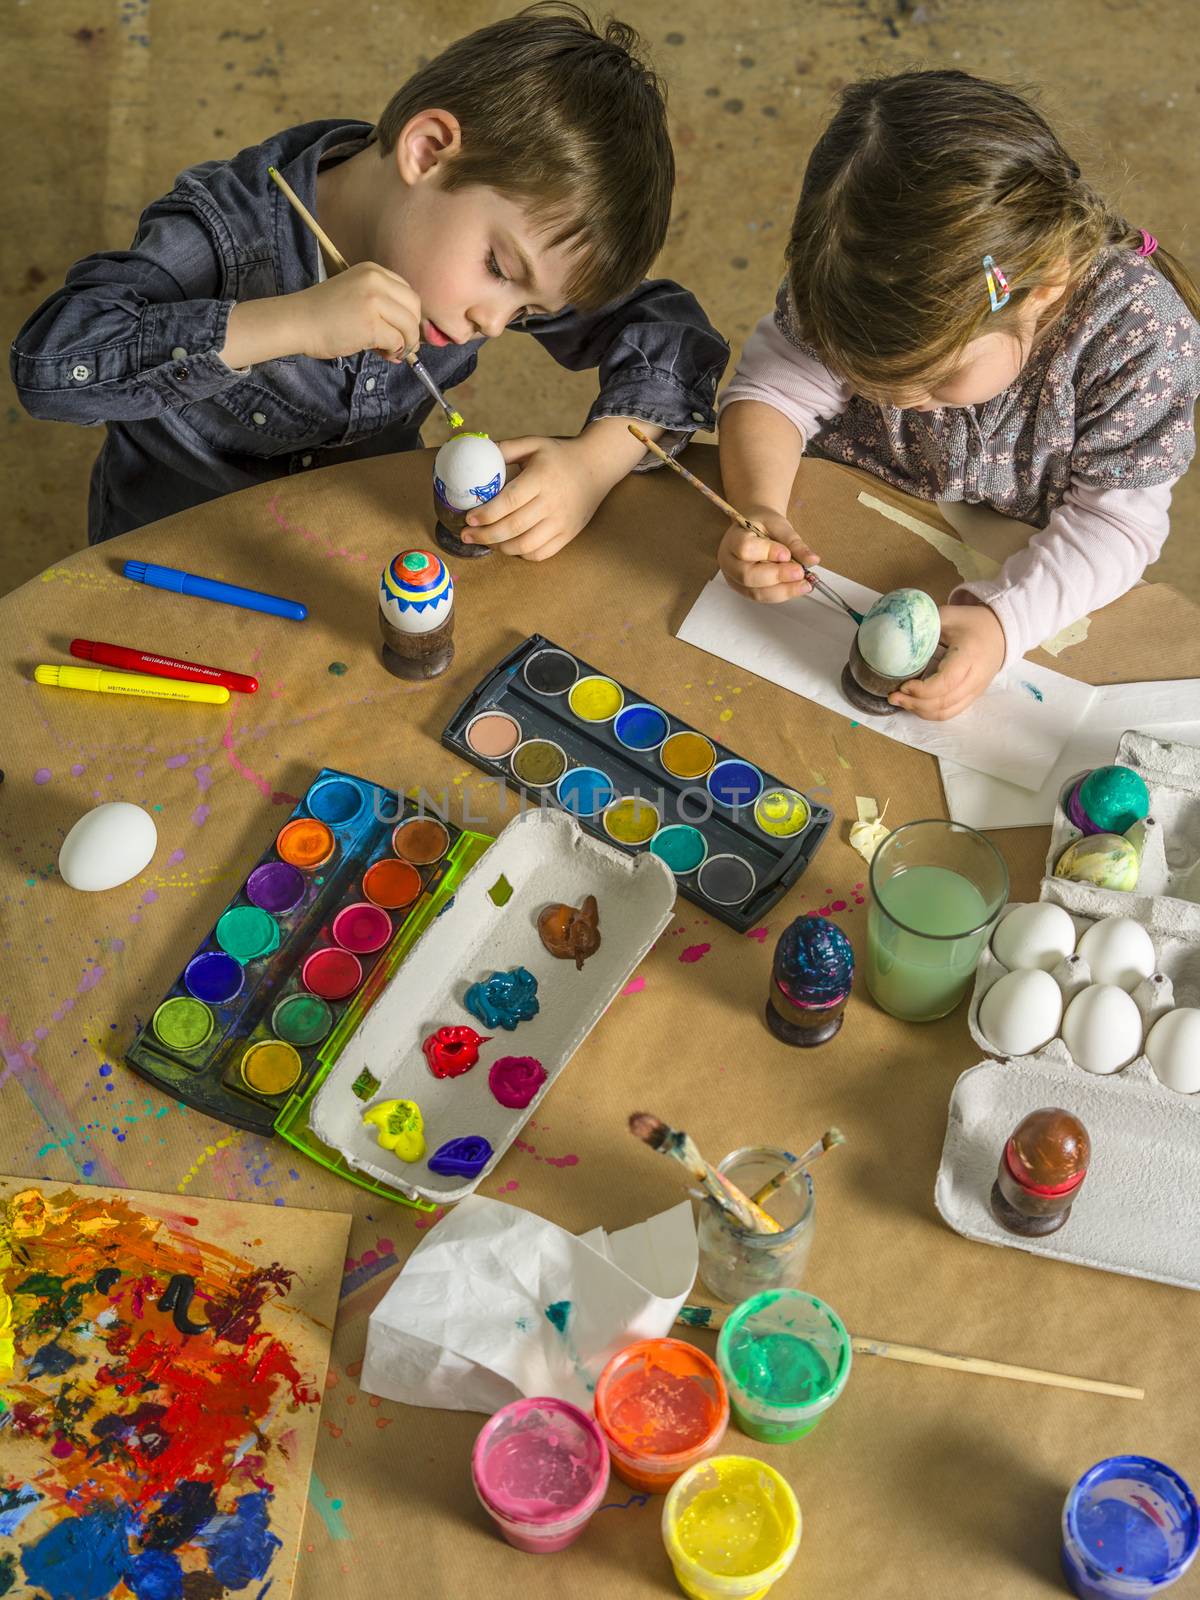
(461, 1158)
(276, 886)
(514, 1080)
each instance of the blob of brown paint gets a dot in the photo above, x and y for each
(571, 933)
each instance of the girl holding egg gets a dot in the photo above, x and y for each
(967, 319)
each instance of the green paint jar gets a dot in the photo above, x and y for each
(785, 1358)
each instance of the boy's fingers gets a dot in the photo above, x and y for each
(514, 450)
(511, 498)
(517, 522)
(537, 543)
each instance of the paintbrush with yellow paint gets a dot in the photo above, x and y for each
(339, 264)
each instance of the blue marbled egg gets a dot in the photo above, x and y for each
(899, 633)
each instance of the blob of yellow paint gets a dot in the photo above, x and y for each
(399, 1127)
(596, 699)
(730, 1517)
(782, 813)
(631, 820)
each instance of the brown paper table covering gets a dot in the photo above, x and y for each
(919, 1481)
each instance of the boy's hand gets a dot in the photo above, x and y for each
(975, 647)
(767, 566)
(364, 308)
(551, 499)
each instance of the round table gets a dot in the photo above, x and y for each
(920, 1480)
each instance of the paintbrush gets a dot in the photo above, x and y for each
(740, 1211)
(339, 264)
(735, 515)
(829, 1140)
(712, 1318)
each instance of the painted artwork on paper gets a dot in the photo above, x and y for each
(159, 1391)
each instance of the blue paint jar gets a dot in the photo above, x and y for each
(1131, 1528)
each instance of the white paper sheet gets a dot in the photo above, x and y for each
(497, 1303)
(1168, 710)
(1015, 731)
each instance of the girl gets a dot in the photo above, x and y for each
(964, 317)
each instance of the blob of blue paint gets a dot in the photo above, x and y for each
(814, 962)
(175, 1520)
(15, 1505)
(585, 791)
(641, 727)
(504, 999)
(80, 1558)
(241, 1546)
(559, 1314)
(735, 783)
(335, 801)
(155, 1575)
(1032, 688)
(214, 977)
(461, 1158)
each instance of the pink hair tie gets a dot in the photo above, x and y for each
(1149, 243)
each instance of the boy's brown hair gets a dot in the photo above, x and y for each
(916, 179)
(567, 119)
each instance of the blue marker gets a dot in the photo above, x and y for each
(209, 589)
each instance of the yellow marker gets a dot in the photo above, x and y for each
(99, 680)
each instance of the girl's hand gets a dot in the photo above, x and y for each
(975, 647)
(551, 499)
(767, 566)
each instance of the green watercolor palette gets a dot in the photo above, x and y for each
(299, 955)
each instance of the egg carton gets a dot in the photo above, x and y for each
(1170, 867)
(1139, 1210)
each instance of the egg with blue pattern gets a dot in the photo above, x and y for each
(468, 471)
(899, 633)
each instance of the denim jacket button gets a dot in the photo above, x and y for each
(81, 374)
(306, 461)
(258, 418)
(182, 372)
(697, 416)
(369, 386)
(179, 353)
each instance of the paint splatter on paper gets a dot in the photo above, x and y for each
(159, 1394)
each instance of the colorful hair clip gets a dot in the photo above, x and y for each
(1001, 299)
(1149, 243)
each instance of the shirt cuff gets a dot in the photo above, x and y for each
(985, 592)
(180, 350)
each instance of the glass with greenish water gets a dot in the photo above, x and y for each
(936, 891)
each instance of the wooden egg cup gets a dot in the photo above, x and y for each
(448, 526)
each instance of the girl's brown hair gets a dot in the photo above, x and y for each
(567, 119)
(916, 179)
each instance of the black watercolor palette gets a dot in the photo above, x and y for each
(301, 951)
(560, 731)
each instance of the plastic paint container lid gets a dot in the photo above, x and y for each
(596, 699)
(538, 763)
(688, 754)
(336, 801)
(301, 1019)
(246, 933)
(270, 1067)
(540, 1443)
(682, 847)
(726, 880)
(421, 840)
(276, 886)
(492, 734)
(584, 791)
(331, 973)
(732, 1527)
(362, 927)
(391, 884)
(641, 727)
(662, 1406)
(785, 1357)
(735, 783)
(182, 1024)
(1130, 1528)
(631, 820)
(305, 843)
(550, 672)
(782, 813)
(214, 977)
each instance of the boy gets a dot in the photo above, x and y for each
(522, 178)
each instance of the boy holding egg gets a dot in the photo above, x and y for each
(521, 178)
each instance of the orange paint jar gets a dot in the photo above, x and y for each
(662, 1407)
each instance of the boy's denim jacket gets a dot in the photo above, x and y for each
(132, 340)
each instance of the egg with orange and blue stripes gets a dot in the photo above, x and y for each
(416, 592)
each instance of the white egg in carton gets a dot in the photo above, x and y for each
(1139, 1211)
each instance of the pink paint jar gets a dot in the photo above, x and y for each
(540, 1469)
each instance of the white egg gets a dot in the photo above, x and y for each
(1119, 951)
(468, 471)
(107, 846)
(1036, 935)
(1174, 1050)
(1102, 1029)
(1021, 1012)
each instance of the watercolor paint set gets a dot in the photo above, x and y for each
(302, 950)
(564, 733)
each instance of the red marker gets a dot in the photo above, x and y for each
(116, 655)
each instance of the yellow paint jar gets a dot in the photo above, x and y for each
(731, 1526)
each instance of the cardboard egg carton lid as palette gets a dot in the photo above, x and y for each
(541, 858)
(1139, 1211)
(1170, 866)
(565, 733)
(301, 950)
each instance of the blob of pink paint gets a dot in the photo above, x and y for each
(634, 986)
(540, 1469)
(514, 1080)
(42, 775)
(695, 952)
